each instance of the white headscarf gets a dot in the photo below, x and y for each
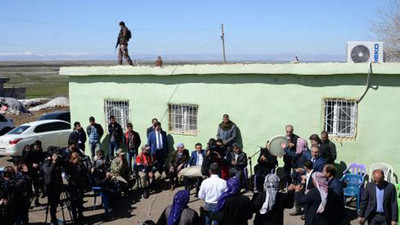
(271, 186)
(322, 186)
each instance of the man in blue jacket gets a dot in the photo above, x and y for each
(158, 143)
(197, 159)
(316, 158)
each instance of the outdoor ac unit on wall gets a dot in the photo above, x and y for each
(364, 52)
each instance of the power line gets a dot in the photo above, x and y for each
(103, 28)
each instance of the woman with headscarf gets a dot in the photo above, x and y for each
(315, 200)
(269, 205)
(233, 208)
(179, 213)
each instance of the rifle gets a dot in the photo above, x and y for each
(116, 45)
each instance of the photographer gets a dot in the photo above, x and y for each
(76, 174)
(53, 181)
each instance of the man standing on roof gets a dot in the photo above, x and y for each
(123, 38)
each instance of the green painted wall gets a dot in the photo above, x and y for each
(260, 104)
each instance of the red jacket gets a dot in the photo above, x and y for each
(146, 160)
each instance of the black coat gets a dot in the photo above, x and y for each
(275, 216)
(237, 210)
(312, 200)
(335, 204)
(79, 137)
(188, 217)
(368, 202)
(115, 131)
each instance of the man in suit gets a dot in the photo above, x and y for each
(150, 129)
(238, 163)
(335, 204)
(196, 160)
(379, 203)
(316, 158)
(157, 141)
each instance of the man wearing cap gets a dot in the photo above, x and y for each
(157, 141)
(119, 170)
(146, 165)
(178, 160)
(227, 131)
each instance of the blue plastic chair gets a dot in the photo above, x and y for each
(97, 192)
(353, 189)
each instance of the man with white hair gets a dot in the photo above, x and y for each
(178, 160)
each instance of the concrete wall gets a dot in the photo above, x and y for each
(260, 103)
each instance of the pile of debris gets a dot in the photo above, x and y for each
(12, 106)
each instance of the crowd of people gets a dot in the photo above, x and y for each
(218, 172)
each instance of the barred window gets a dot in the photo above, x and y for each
(118, 109)
(183, 119)
(340, 117)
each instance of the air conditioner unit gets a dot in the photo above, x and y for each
(364, 52)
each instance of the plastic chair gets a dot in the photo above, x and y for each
(398, 197)
(356, 168)
(97, 192)
(353, 189)
(387, 170)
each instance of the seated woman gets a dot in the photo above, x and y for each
(270, 205)
(179, 213)
(315, 200)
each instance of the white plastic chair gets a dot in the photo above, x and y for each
(387, 171)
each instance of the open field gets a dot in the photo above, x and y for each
(41, 79)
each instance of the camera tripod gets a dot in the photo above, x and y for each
(65, 202)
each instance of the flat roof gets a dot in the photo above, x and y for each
(236, 68)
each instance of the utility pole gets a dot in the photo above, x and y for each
(223, 42)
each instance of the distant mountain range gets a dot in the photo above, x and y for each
(284, 57)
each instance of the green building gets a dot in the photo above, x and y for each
(189, 101)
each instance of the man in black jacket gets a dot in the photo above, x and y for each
(115, 131)
(292, 138)
(328, 148)
(238, 163)
(335, 204)
(53, 181)
(379, 203)
(94, 132)
(266, 164)
(78, 136)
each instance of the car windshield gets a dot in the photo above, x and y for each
(18, 130)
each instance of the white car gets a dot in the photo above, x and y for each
(49, 132)
(6, 124)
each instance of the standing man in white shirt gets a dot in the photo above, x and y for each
(210, 190)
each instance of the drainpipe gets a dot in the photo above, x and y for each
(367, 85)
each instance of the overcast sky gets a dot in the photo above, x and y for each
(79, 27)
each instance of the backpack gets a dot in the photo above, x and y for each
(128, 35)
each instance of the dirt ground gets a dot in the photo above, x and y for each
(29, 117)
(135, 210)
